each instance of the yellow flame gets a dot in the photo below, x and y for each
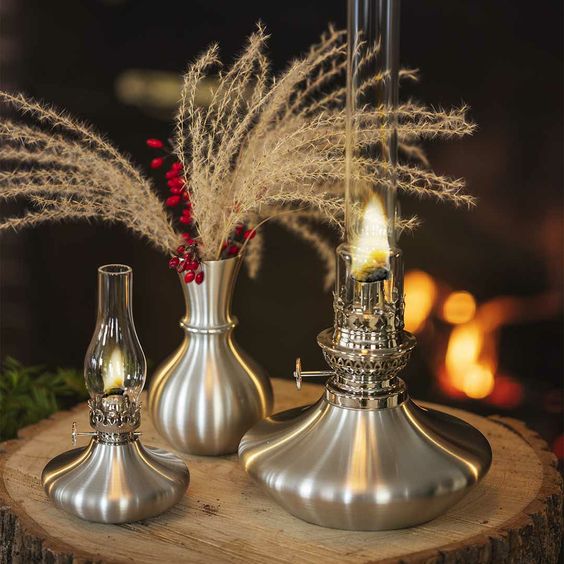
(420, 296)
(114, 373)
(371, 249)
(459, 307)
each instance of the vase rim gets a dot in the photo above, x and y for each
(236, 257)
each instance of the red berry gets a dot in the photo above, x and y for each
(173, 262)
(157, 162)
(180, 250)
(185, 195)
(175, 182)
(188, 238)
(172, 201)
(239, 229)
(249, 234)
(176, 190)
(155, 143)
(171, 174)
(185, 220)
(199, 277)
(233, 250)
(176, 166)
(189, 276)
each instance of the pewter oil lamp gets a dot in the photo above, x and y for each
(115, 479)
(366, 456)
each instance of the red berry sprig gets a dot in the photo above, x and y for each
(186, 261)
(187, 258)
(233, 245)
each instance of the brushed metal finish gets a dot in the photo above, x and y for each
(110, 483)
(207, 394)
(365, 469)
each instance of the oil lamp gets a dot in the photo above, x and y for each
(115, 479)
(366, 456)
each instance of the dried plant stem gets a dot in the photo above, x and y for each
(264, 148)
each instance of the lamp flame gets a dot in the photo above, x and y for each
(371, 249)
(114, 373)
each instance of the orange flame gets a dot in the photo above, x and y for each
(421, 294)
(470, 362)
(467, 369)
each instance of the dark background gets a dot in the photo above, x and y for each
(502, 57)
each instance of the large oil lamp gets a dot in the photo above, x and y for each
(366, 456)
(115, 479)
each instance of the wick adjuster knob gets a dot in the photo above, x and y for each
(75, 434)
(299, 373)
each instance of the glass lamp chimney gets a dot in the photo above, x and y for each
(114, 364)
(372, 91)
(369, 287)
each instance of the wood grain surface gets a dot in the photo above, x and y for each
(514, 515)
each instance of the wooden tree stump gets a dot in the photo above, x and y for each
(514, 515)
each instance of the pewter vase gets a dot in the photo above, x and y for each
(208, 393)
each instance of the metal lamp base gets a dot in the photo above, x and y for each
(365, 469)
(115, 483)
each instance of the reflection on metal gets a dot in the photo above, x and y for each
(365, 469)
(209, 392)
(115, 483)
(365, 457)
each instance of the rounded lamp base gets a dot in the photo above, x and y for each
(115, 483)
(365, 469)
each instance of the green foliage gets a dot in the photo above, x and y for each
(28, 394)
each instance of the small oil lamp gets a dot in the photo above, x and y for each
(115, 479)
(365, 456)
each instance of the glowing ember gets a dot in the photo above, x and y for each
(420, 296)
(558, 446)
(459, 307)
(371, 249)
(507, 393)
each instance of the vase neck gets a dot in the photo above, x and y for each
(208, 305)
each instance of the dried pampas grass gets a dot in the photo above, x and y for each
(265, 148)
(70, 172)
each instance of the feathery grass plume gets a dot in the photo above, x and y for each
(277, 144)
(70, 172)
(264, 148)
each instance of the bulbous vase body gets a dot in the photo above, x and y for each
(208, 393)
